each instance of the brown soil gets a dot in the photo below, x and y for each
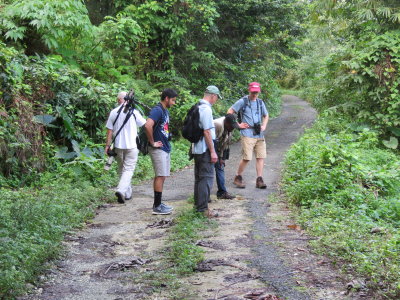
(256, 252)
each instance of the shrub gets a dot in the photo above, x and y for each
(33, 225)
(347, 188)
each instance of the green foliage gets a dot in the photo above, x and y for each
(166, 43)
(183, 252)
(59, 76)
(375, 68)
(33, 224)
(60, 25)
(348, 191)
(350, 63)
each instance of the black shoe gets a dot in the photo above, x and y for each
(120, 197)
(226, 195)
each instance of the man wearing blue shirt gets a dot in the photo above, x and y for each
(204, 153)
(158, 134)
(254, 121)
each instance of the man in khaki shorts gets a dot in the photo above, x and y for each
(254, 120)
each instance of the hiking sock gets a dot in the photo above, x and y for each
(157, 198)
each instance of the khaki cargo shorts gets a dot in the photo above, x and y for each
(161, 161)
(250, 145)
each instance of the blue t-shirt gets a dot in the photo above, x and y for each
(252, 113)
(161, 133)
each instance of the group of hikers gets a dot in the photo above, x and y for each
(209, 152)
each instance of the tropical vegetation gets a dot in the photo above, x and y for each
(344, 173)
(62, 63)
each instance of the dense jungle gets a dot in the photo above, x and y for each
(63, 62)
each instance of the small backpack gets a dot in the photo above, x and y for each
(191, 125)
(142, 142)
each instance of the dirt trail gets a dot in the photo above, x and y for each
(252, 255)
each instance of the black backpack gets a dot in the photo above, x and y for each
(191, 126)
(142, 142)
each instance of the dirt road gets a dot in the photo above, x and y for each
(253, 253)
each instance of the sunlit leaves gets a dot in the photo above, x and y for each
(60, 23)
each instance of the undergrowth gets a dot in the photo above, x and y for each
(33, 223)
(348, 190)
(34, 220)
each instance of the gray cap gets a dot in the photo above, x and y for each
(212, 89)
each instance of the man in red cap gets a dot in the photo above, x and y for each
(253, 121)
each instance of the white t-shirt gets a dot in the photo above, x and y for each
(126, 139)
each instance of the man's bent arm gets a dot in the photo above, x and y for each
(149, 130)
(231, 111)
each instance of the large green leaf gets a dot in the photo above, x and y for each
(395, 131)
(392, 143)
(45, 120)
(64, 154)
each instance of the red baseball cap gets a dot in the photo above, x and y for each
(254, 87)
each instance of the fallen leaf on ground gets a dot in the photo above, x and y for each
(294, 227)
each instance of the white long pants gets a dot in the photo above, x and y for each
(127, 159)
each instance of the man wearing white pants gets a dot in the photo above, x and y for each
(122, 124)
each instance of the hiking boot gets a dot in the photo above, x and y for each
(120, 197)
(161, 210)
(167, 207)
(210, 214)
(239, 182)
(260, 183)
(226, 195)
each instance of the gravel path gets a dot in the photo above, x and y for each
(253, 253)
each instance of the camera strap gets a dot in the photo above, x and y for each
(130, 112)
(119, 112)
(258, 110)
(163, 116)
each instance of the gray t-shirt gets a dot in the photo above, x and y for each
(253, 112)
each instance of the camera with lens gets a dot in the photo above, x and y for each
(257, 128)
(130, 101)
(111, 152)
(111, 155)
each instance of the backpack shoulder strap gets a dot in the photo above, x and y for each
(245, 103)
